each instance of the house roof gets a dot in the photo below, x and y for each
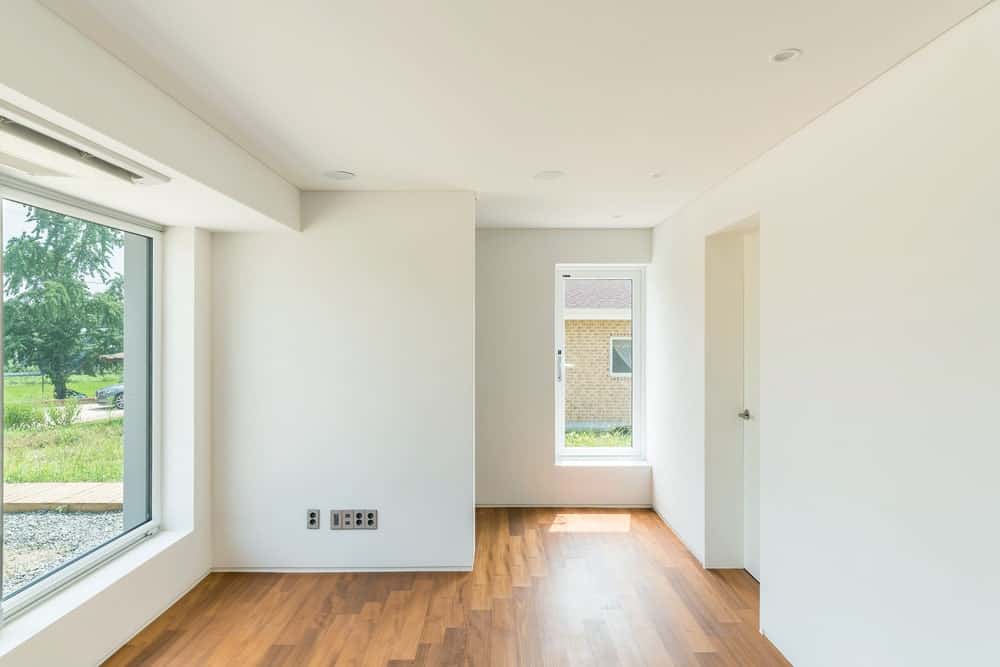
(598, 293)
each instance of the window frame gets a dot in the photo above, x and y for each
(56, 580)
(611, 356)
(636, 454)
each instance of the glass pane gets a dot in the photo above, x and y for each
(76, 341)
(598, 362)
(621, 355)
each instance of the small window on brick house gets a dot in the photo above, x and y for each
(621, 357)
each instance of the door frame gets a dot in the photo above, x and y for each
(637, 274)
(724, 394)
(750, 347)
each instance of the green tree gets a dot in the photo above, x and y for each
(52, 319)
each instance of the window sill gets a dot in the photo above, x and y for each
(602, 463)
(61, 603)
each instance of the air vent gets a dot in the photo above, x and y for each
(36, 147)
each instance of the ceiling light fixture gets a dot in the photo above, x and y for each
(549, 175)
(618, 216)
(785, 55)
(655, 174)
(340, 175)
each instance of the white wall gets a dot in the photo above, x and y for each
(344, 378)
(86, 622)
(515, 409)
(879, 232)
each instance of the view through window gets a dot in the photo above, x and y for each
(77, 305)
(597, 391)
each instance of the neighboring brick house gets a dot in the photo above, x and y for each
(598, 330)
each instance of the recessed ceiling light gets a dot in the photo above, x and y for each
(340, 175)
(655, 174)
(549, 175)
(785, 55)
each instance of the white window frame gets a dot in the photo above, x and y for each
(611, 357)
(51, 583)
(610, 455)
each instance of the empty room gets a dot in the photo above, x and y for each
(500, 333)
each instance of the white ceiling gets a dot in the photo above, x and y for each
(480, 95)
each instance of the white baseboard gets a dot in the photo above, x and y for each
(563, 506)
(701, 560)
(157, 615)
(344, 570)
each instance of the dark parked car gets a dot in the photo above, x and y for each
(112, 395)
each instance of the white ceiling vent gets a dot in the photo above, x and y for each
(32, 146)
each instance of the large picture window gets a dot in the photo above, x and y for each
(77, 391)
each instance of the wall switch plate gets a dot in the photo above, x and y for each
(312, 519)
(347, 519)
(335, 523)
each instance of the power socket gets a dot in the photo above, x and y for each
(353, 519)
(369, 520)
(312, 519)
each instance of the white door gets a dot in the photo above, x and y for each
(751, 403)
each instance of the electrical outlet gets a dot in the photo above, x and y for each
(312, 519)
(353, 519)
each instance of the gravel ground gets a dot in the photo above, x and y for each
(37, 542)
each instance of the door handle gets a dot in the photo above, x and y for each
(559, 365)
(745, 415)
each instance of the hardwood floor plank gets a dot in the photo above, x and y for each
(600, 643)
(477, 643)
(549, 587)
(413, 616)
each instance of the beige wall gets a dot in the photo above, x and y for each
(592, 394)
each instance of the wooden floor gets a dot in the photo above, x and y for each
(549, 587)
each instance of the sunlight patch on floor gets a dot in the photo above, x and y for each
(591, 523)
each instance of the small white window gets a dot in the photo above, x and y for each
(598, 362)
(621, 356)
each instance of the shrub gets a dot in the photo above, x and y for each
(65, 414)
(21, 416)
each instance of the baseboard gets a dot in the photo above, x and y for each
(701, 561)
(344, 570)
(563, 506)
(160, 613)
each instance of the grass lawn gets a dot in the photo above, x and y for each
(30, 389)
(87, 452)
(598, 439)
